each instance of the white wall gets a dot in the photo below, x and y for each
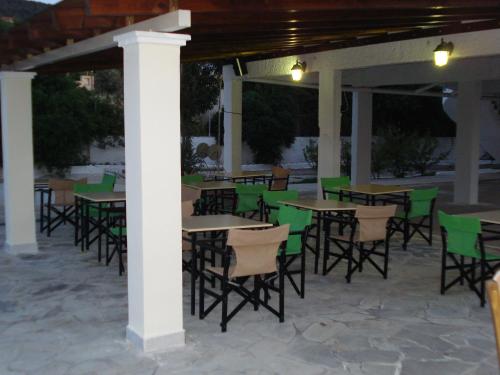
(293, 157)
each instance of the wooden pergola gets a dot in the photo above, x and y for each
(224, 29)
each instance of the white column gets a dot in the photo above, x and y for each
(17, 143)
(153, 185)
(467, 142)
(329, 116)
(233, 87)
(361, 138)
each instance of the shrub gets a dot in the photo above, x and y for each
(422, 154)
(311, 153)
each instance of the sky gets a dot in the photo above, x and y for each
(48, 1)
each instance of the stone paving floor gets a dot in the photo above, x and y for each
(61, 312)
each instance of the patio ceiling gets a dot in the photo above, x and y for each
(224, 29)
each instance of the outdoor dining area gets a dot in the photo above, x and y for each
(249, 236)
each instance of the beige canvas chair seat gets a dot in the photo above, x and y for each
(187, 210)
(255, 256)
(63, 190)
(190, 194)
(369, 225)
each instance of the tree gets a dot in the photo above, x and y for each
(422, 154)
(268, 125)
(66, 120)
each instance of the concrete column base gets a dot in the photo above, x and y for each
(158, 343)
(19, 249)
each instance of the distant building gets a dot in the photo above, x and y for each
(7, 19)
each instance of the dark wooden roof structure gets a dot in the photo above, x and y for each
(224, 29)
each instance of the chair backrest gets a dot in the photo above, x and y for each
(372, 221)
(461, 234)
(333, 184)
(298, 220)
(421, 201)
(248, 196)
(271, 199)
(493, 290)
(93, 188)
(280, 178)
(187, 208)
(256, 250)
(108, 178)
(190, 194)
(191, 178)
(63, 190)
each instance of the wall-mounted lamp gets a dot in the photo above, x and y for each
(442, 53)
(298, 70)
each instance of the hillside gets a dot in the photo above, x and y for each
(20, 9)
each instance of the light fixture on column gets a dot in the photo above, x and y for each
(298, 70)
(442, 53)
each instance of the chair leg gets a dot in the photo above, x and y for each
(462, 262)
(256, 292)
(282, 287)
(224, 306)
(303, 273)
(349, 262)
(443, 272)
(361, 254)
(406, 233)
(483, 301)
(386, 257)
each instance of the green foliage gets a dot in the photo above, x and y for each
(4, 26)
(20, 9)
(67, 119)
(422, 154)
(267, 122)
(345, 158)
(311, 153)
(399, 152)
(200, 89)
(190, 161)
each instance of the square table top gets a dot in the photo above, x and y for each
(103, 197)
(375, 189)
(211, 185)
(207, 223)
(323, 205)
(489, 217)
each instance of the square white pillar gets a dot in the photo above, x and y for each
(361, 137)
(153, 185)
(17, 143)
(329, 117)
(233, 91)
(468, 142)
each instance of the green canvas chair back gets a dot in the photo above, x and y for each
(109, 179)
(421, 202)
(248, 197)
(192, 178)
(271, 199)
(298, 220)
(462, 234)
(333, 184)
(93, 188)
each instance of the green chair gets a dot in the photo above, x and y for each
(249, 199)
(192, 178)
(462, 238)
(331, 186)
(417, 216)
(95, 218)
(116, 235)
(108, 178)
(300, 222)
(271, 205)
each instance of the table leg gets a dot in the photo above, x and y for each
(82, 229)
(99, 232)
(318, 241)
(193, 272)
(77, 219)
(201, 293)
(41, 211)
(87, 226)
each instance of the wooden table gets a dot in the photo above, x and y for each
(245, 176)
(371, 192)
(216, 188)
(83, 201)
(320, 207)
(213, 224)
